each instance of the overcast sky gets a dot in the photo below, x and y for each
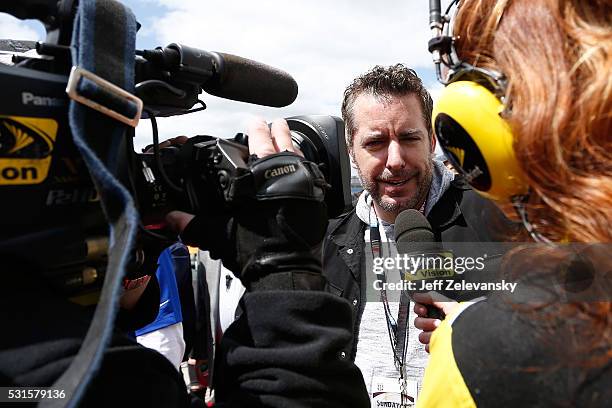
(322, 44)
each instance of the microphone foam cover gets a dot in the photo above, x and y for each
(412, 226)
(245, 80)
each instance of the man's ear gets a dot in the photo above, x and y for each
(352, 161)
(433, 142)
(351, 153)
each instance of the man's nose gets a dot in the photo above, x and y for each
(395, 160)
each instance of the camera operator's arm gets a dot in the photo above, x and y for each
(289, 346)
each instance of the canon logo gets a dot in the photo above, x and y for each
(280, 171)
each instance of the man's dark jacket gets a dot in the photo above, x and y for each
(460, 215)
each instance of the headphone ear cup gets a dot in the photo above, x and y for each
(477, 140)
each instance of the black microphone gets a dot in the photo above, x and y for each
(223, 75)
(414, 238)
(245, 80)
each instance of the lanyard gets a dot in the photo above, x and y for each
(397, 329)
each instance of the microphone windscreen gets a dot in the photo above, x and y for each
(413, 235)
(412, 226)
(245, 80)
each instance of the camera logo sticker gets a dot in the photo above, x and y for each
(26, 145)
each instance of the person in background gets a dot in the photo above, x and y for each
(165, 334)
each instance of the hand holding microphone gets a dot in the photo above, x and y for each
(423, 303)
(414, 237)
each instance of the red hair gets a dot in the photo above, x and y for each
(557, 58)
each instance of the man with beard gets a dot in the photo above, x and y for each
(387, 114)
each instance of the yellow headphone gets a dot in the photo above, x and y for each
(467, 118)
(475, 137)
(468, 122)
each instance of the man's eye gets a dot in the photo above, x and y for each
(410, 139)
(373, 143)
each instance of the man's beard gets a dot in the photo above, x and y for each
(423, 184)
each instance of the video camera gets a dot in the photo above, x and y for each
(51, 206)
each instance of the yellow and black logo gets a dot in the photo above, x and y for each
(26, 145)
(462, 152)
(458, 152)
